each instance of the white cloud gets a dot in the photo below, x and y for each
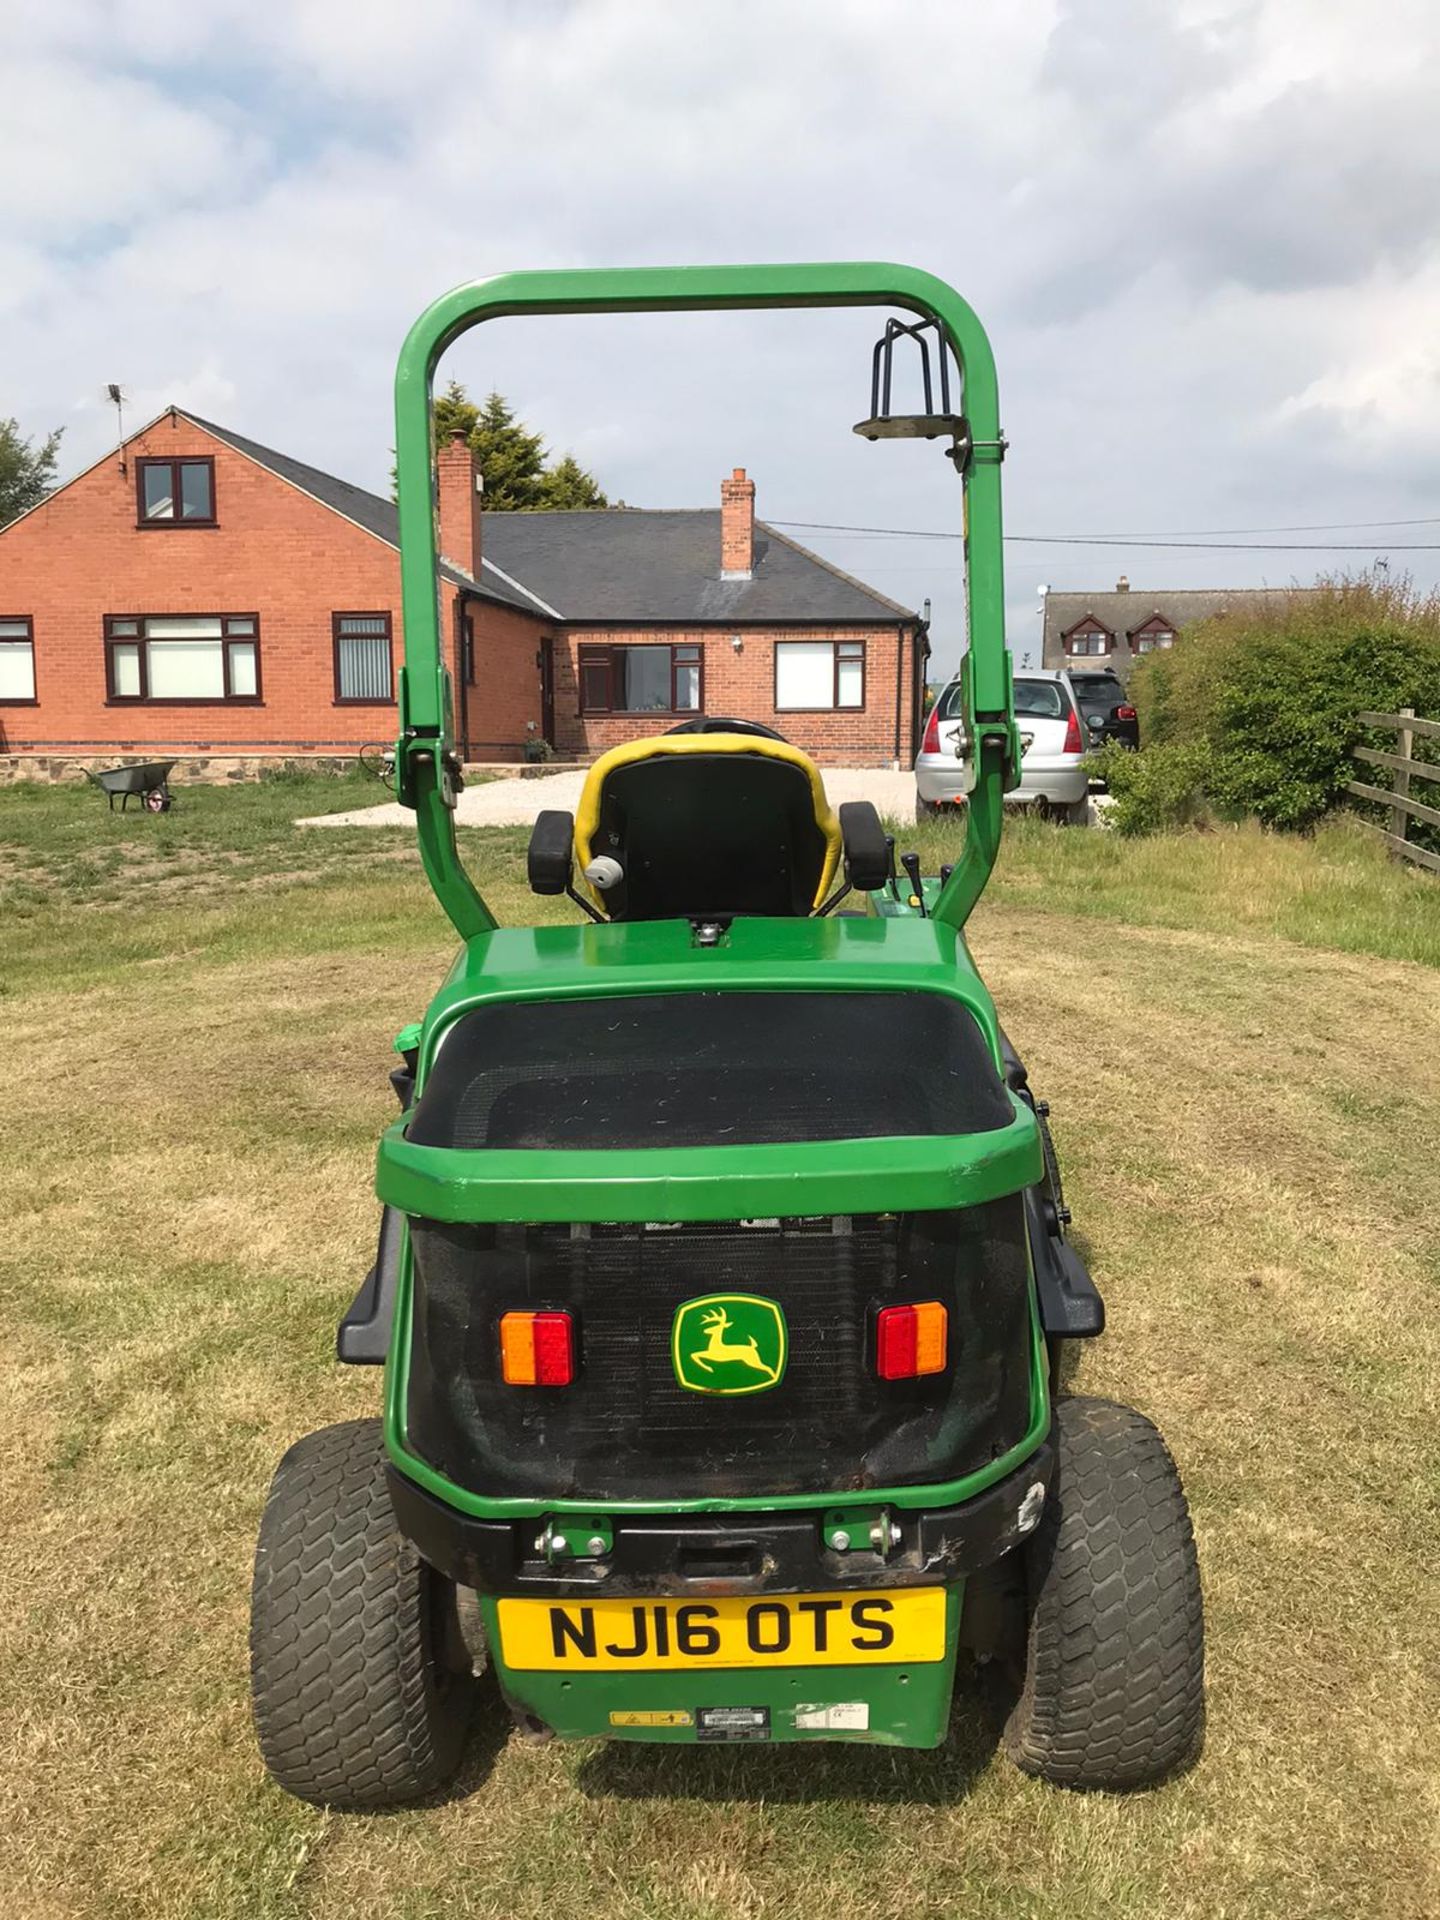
(1203, 237)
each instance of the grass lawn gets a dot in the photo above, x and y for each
(1240, 1037)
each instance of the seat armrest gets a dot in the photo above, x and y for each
(867, 857)
(550, 858)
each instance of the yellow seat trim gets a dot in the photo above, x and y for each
(587, 814)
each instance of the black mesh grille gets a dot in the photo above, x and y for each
(627, 1430)
(710, 1069)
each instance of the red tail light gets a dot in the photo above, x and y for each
(537, 1349)
(910, 1341)
(931, 742)
(1073, 743)
(1125, 713)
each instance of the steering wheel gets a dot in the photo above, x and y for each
(714, 724)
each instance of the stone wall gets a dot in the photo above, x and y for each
(189, 770)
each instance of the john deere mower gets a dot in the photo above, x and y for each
(723, 1280)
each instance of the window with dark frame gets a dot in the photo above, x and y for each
(364, 674)
(17, 661)
(642, 679)
(1153, 634)
(819, 676)
(176, 493)
(1087, 640)
(190, 659)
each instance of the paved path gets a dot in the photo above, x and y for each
(512, 802)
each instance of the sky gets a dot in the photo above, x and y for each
(1204, 238)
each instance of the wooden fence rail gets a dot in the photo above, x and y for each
(1403, 767)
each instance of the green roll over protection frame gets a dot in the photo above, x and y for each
(903, 954)
(425, 762)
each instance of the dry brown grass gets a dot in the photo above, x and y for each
(1250, 1132)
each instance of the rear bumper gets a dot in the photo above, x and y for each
(1061, 779)
(939, 777)
(695, 1555)
(896, 1704)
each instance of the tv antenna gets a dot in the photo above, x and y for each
(117, 400)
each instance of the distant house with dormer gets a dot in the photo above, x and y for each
(1113, 628)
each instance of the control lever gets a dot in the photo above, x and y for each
(945, 873)
(911, 864)
(892, 882)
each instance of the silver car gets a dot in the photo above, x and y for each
(1052, 775)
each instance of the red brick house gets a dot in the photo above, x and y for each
(196, 595)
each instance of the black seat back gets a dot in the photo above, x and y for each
(711, 834)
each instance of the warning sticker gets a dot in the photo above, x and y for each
(837, 1716)
(732, 1723)
(666, 1717)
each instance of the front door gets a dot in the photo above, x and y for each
(547, 689)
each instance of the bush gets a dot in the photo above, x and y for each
(1158, 787)
(1273, 693)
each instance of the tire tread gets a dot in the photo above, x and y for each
(1114, 1685)
(351, 1706)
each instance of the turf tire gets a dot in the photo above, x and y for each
(1113, 1696)
(360, 1698)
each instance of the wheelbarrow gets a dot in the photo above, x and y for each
(148, 780)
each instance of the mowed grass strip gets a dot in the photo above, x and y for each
(1249, 1121)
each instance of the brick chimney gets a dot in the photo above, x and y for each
(460, 503)
(1122, 585)
(737, 527)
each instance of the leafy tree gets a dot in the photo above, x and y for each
(512, 459)
(567, 485)
(27, 472)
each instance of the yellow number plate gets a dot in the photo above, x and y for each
(905, 1624)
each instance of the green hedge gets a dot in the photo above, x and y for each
(1269, 697)
(1161, 787)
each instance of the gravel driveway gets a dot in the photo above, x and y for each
(513, 802)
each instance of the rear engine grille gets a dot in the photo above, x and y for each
(626, 1429)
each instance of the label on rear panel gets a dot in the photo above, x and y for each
(654, 1717)
(838, 1716)
(732, 1723)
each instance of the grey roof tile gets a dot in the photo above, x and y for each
(624, 563)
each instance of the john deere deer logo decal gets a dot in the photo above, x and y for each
(728, 1343)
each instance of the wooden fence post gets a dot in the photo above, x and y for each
(1399, 817)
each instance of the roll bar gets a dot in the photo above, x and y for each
(425, 761)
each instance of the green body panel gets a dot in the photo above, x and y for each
(903, 953)
(875, 954)
(946, 1493)
(909, 1705)
(424, 751)
(901, 1174)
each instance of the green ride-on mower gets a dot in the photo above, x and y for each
(723, 1279)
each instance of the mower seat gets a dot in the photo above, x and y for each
(705, 826)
